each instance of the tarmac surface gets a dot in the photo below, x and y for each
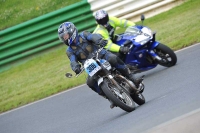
(189, 123)
(172, 106)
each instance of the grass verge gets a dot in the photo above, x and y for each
(44, 75)
(13, 12)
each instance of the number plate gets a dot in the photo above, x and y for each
(91, 67)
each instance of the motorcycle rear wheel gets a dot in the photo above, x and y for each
(111, 91)
(168, 56)
(138, 98)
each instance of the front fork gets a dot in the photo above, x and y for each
(152, 53)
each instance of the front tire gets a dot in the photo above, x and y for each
(111, 91)
(168, 56)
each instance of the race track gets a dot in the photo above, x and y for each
(170, 93)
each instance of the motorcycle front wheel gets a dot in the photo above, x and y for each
(168, 56)
(123, 100)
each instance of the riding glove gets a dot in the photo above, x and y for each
(77, 69)
(102, 42)
(124, 50)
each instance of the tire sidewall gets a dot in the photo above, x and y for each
(169, 51)
(114, 99)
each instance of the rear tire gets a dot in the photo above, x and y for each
(138, 98)
(110, 90)
(166, 54)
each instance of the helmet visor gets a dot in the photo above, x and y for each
(65, 37)
(73, 36)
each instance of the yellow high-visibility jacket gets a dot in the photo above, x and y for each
(114, 22)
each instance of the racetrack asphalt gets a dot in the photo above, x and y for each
(188, 123)
(172, 106)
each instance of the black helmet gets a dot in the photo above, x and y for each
(67, 33)
(101, 17)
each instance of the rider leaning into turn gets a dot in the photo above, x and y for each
(106, 27)
(81, 47)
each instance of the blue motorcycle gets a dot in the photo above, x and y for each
(145, 52)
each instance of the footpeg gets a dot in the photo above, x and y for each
(112, 105)
(141, 87)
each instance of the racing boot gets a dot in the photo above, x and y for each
(112, 105)
(136, 81)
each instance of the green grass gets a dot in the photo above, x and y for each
(44, 75)
(13, 12)
(179, 27)
(38, 78)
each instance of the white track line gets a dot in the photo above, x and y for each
(187, 47)
(42, 99)
(172, 121)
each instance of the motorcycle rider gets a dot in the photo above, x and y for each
(81, 46)
(106, 27)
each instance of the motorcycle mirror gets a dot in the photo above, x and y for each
(142, 17)
(68, 75)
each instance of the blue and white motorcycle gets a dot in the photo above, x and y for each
(117, 88)
(145, 52)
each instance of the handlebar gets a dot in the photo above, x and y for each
(82, 69)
